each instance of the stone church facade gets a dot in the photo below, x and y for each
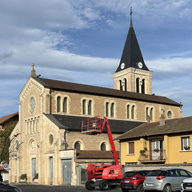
(50, 141)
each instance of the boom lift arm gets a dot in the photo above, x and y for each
(106, 123)
(104, 176)
(95, 126)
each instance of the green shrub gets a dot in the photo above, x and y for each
(36, 176)
(24, 177)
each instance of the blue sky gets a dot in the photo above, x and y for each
(82, 41)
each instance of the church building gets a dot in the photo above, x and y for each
(50, 141)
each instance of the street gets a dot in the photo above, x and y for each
(45, 188)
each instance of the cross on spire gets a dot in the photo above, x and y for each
(131, 12)
(33, 73)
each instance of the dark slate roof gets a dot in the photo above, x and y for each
(7, 117)
(93, 154)
(74, 123)
(172, 126)
(93, 90)
(131, 53)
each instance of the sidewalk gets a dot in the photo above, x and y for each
(23, 183)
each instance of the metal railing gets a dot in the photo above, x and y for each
(152, 155)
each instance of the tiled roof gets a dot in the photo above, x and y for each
(101, 91)
(7, 117)
(93, 154)
(74, 123)
(172, 126)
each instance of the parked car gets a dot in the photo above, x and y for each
(166, 180)
(186, 185)
(133, 180)
(7, 187)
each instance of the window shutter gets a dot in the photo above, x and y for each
(181, 143)
(131, 147)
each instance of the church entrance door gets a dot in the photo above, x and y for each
(33, 168)
(51, 170)
(66, 171)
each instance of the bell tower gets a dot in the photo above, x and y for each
(132, 74)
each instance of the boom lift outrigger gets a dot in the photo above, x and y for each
(104, 176)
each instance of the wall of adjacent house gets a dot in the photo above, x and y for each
(187, 166)
(131, 157)
(175, 154)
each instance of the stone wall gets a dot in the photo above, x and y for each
(120, 109)
(187, 166)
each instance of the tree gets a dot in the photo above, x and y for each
(5, 143)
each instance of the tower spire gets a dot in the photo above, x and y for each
(131, 56)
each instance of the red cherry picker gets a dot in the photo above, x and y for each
(104, 176)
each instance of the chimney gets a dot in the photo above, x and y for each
(162, 120)
(148, 119)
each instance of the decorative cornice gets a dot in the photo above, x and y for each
(30, 83)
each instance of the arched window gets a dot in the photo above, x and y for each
(133, 112)
(47, 103)
(120, 84)
(28, 130)
(77, 146)
(128, 108)
(84, 105)
(151, 114)
(37, 125)
(112, 109)
(137, 85)
(107, 109)
(58, 104)
(65, 105)
(31, 128)
(143, 86)
(147, 112)
(89, 107)
(125, 80)
(51, 139)
(34, 127)
(103, 147)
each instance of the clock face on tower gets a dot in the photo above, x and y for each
(140, 65)
(32, 104)
(122, 65)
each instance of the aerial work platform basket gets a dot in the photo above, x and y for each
(91, 126)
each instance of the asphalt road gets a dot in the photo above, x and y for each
(45, 188)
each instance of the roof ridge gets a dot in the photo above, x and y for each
(92, 89)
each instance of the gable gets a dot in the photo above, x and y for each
(31, 82)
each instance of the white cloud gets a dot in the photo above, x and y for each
(112, 24)
(42, 31)
(169, 68)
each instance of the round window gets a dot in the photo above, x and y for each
(50, 139)
(169, 114)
